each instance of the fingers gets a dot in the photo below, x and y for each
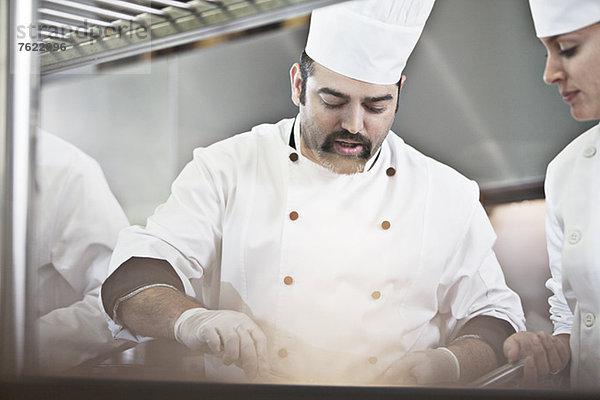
(231, 344)
(260, 341)
(529, 373)
(248, 357)
(540, 356)
(555, 363)
(212, 340)
(245, 345)
(542, 352)
(562, 345)
(512, 348)
(526, 345)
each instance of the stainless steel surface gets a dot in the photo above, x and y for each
(55, 36)
(7, 356)
(72, 17)
(19, 101)
(187, 22)
(85, 8)
(502, 376)
(64, 27)
(171, 3)
(133, 7)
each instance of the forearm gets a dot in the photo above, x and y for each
(475, 358)
(153, 311)
(479, 346)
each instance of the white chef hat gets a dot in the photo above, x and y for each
(368, 40)
(555, 17)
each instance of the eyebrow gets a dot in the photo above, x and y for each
(380, 98)
(335, 93)
(566, 36)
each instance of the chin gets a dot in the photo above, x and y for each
(584, 115)
(342, 166)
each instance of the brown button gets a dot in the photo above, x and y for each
(390, 171)
(386, 225)
(288, 280)
(294, 157)
(293, 215)
(376, 294)
(282, 353)
(372, 360)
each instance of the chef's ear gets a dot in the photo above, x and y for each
(296, 83)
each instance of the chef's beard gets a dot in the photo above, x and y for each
(338, 163)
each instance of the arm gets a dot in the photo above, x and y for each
(469, 356)
(478, 346)
(475, 358)
(167, 313)
(76, 227)
(544, 353)
(146, 295)
(153, 312)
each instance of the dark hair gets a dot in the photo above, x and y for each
(307, 68)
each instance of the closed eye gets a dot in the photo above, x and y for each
(331, 105)
(376, 110)
(570, 52)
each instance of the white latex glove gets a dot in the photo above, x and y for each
(423, 368)
(229, 334)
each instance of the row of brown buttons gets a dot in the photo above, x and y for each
(385, 224)
(391, 171)
(288, 280)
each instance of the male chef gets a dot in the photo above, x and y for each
(323, 249)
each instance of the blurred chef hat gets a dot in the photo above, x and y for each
(368, 40)
(555, 17)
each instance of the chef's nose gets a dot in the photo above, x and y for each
(554, 72)
(353, 119)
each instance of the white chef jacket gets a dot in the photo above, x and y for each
(573, 234)
(344, 273)
(75, 227)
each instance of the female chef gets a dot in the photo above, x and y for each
(570, 31)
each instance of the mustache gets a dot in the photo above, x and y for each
(327, 145)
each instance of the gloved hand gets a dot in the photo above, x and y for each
(229, 334)
(423, 368)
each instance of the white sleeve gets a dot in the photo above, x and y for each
(560, 313)
(88, 222)
(71, 335)
(82, 219)
(185, 231)
(473, 284)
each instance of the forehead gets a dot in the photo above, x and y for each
(326, 78)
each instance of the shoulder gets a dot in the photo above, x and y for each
(54, 151)
(576, 148)
(57, 159)
(245, 146)
(439, 178)
(564, 165)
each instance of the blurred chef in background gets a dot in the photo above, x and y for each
(570, 31)
(323, 249)
(76, 223)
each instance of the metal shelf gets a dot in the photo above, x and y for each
(83, 32)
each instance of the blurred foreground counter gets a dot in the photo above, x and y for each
(166, 370)
(90, 389)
